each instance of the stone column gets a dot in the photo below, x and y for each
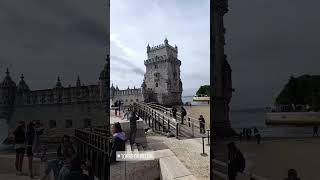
(221, 95)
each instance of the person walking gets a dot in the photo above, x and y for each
(127, 114)
(244, 133)
(315, 130)
(20, 142)
(257, 135)
(183, 114)
(133, 127)
(119, 107)
(236, 161)
(202, 124)
(118, 141)
(36, 144)
(116, 108)
(292, 175)
(248, 133)
(174, 112)
(31, 136)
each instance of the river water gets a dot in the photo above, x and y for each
(249, 118)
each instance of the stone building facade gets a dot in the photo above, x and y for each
(60, 109)
(161, 84)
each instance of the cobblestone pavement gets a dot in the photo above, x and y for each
(188, 151)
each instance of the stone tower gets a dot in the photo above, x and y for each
(162, 75)
(104, 81)
(222, 89)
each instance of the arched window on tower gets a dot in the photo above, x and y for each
(52, 124)
(156, 84)
(87, 123)
(68, 123)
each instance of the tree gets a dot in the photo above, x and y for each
(303, 90)
(203, 91)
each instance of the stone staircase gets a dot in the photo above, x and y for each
(165, 166)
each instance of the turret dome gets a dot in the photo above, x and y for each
(8, 82)
(22, 86)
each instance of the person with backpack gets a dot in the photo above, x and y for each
(202, 124)
(236, 161)
(183, 114)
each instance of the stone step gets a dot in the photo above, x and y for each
(128, 147)
(134, 149)
(140, 147)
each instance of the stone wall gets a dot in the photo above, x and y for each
(66, 117)
(128, 96)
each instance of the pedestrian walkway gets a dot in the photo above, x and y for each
(188, 151)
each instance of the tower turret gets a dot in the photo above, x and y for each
(7, 96)
(148, 48)
(22, 86)
(112, 91)
(104, 80)
(59, 84)
(166, 42)
(78, 84)
(162, 75)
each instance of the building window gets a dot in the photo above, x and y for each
(87, 123)
(156, 84)
(59, 99)
(126, 100)
(68, 123)
(156, 66)
(131, 100)
(52, 124)
(137, 100)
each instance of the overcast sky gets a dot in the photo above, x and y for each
(134, 24)
(43, 39)
(266, 42)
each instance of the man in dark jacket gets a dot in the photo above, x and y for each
(118, 141)
(133, 127)
(174, 112)
(183, 114)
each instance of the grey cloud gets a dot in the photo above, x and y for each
(133, 67)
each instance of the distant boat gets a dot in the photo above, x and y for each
(201, 99)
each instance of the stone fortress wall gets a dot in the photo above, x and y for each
(60, 109)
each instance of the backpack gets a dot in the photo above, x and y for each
(241, 162)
